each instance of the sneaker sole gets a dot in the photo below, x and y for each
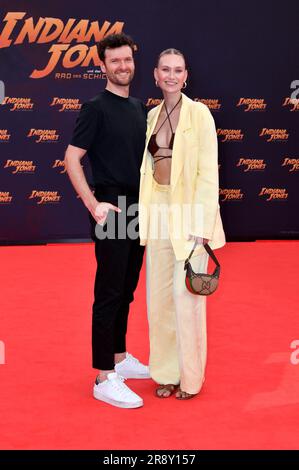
(134, 376)
(119, 404)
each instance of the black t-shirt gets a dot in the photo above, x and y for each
(112, 129)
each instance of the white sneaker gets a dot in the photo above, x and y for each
(114, 391)
(131, 368)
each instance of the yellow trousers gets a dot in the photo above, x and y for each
(177, 318)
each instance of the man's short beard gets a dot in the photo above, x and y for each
(121, 83)
(114, 80)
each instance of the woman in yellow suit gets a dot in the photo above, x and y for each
(178, 204)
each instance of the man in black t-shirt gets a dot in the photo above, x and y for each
(111, 128)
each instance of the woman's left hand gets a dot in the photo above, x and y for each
(199, 240)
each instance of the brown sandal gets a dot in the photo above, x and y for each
(169, 388)
(181, 395)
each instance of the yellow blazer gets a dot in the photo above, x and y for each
(193, 180)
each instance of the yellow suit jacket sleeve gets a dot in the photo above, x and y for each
(207, 186)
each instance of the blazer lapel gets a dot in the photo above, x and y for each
(179, 147)
(150, 128)
(152, 122)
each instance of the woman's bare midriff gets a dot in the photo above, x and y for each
(162, 170)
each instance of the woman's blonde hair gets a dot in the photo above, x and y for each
(171, 50)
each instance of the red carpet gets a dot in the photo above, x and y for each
(251, 394)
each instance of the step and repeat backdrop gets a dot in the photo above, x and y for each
(243, 64)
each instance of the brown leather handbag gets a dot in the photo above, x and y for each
(201, 283)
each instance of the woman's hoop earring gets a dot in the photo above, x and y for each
(185, 85)
(156, 82)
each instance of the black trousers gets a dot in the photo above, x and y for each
(118, 266)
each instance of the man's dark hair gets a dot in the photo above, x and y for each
(112, 42)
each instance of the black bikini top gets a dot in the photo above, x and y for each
(153, 147)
